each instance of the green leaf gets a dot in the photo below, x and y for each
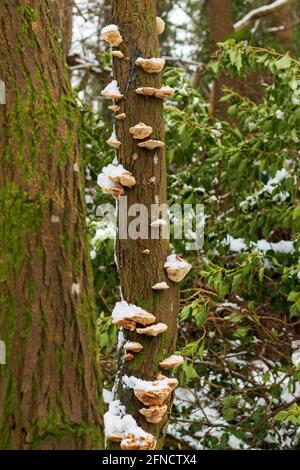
(284, 62)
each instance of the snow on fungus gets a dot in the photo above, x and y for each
(160, 93)
(114, 107)
(114, 177)
(160, 286)
(160, 25)
(153, 65)
(113, 141)
(146, 252)
(141, 131)
(121, 117)
(153, 330)
(118, 54)
(176, 268)
(151, 144)
(171, 362)
(117, 423)
(112, 91)
(133, 346)
(112, 35)
(154, 414)
(132, 442)
(132, 313)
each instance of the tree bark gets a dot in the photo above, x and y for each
(62, 13)
(50, 387)
(139, 272)
(220, 22)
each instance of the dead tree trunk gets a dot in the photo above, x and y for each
(50, 394)
(140, 271)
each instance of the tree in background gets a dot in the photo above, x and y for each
(50, 394)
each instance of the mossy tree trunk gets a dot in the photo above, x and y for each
(49, 388)
(139, 272)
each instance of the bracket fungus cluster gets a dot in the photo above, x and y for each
(121, 427)
(176, 268)
(155, 395)
(153, 65)
(112, 35)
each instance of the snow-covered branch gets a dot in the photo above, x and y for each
(260, 12)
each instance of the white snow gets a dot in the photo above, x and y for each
(111, 89)
(75, 289)
(109, 28)
(173, 262)
(124, 310)
(108, 172)
(139, 384)
(117, 421)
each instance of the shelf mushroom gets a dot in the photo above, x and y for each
(118, 54)
(154, 414)
(153, 397)
(112, 91)
(160, 93)
(114, 437)
(160, 286)
(153, 330)
(113, 141)
(114, 107)
(141, 131)
(127, 315)
(160, 25)
(133, 346)
(114, 178)
(176, 268)
(121, 117)
(112, 35)
(128, 357)
(171, 362)
(153, 65)
(151, 144)
(132, 442)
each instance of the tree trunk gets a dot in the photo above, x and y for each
(62, 14)
(139, 272)
(49, 388)
(221, 28)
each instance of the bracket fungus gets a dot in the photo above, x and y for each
(113, 141)
(114, 437)
(176, 268)
(118, 54)
(133, 347)
(153, 330)
(151, 144)
(154, 397)
(121, 117)
(171, 362)
(153, 65)
(128, 357)
(112, 35)
(141, 131)
(154, 414)
(127, 315)
(146, 252)
(132, 442)
(160, 93)
(114, 107)
(112, 91)
(113, 179)
(160, 25)
(160, 286)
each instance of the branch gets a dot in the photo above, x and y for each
(260, 12)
